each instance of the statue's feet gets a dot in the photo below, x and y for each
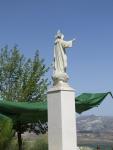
(61, 78)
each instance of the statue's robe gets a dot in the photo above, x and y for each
(60, 57)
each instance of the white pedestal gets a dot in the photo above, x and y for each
(61, 119)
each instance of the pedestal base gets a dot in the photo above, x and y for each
(61, 119)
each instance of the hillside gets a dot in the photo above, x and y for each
(95, 130)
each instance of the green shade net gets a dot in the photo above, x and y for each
(87, 101)
(25, 112)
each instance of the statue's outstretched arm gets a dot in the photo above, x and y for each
(67, 44)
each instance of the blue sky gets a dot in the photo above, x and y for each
(32, 24)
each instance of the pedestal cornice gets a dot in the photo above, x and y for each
(61, 87)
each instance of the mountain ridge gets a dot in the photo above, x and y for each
(95, 129)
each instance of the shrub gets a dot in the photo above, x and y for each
(6, 131)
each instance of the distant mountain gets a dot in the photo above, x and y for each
(95, 123)
(95, 129)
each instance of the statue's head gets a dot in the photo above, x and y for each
(59, 35)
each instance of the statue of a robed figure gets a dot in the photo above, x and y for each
(60, 58)
(62, 133)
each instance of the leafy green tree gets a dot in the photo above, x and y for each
(22, 79)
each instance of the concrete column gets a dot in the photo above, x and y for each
(61, 119)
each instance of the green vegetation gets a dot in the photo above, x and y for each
(94, 147)
(6, 131)
(22, 79)
(40, 143)
(86, 148)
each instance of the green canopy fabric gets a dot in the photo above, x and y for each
(26, 112)
(87, 101)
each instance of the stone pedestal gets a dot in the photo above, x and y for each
(61, 118)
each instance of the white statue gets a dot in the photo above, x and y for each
(60, 58)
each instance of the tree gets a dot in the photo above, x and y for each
(22, 79)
